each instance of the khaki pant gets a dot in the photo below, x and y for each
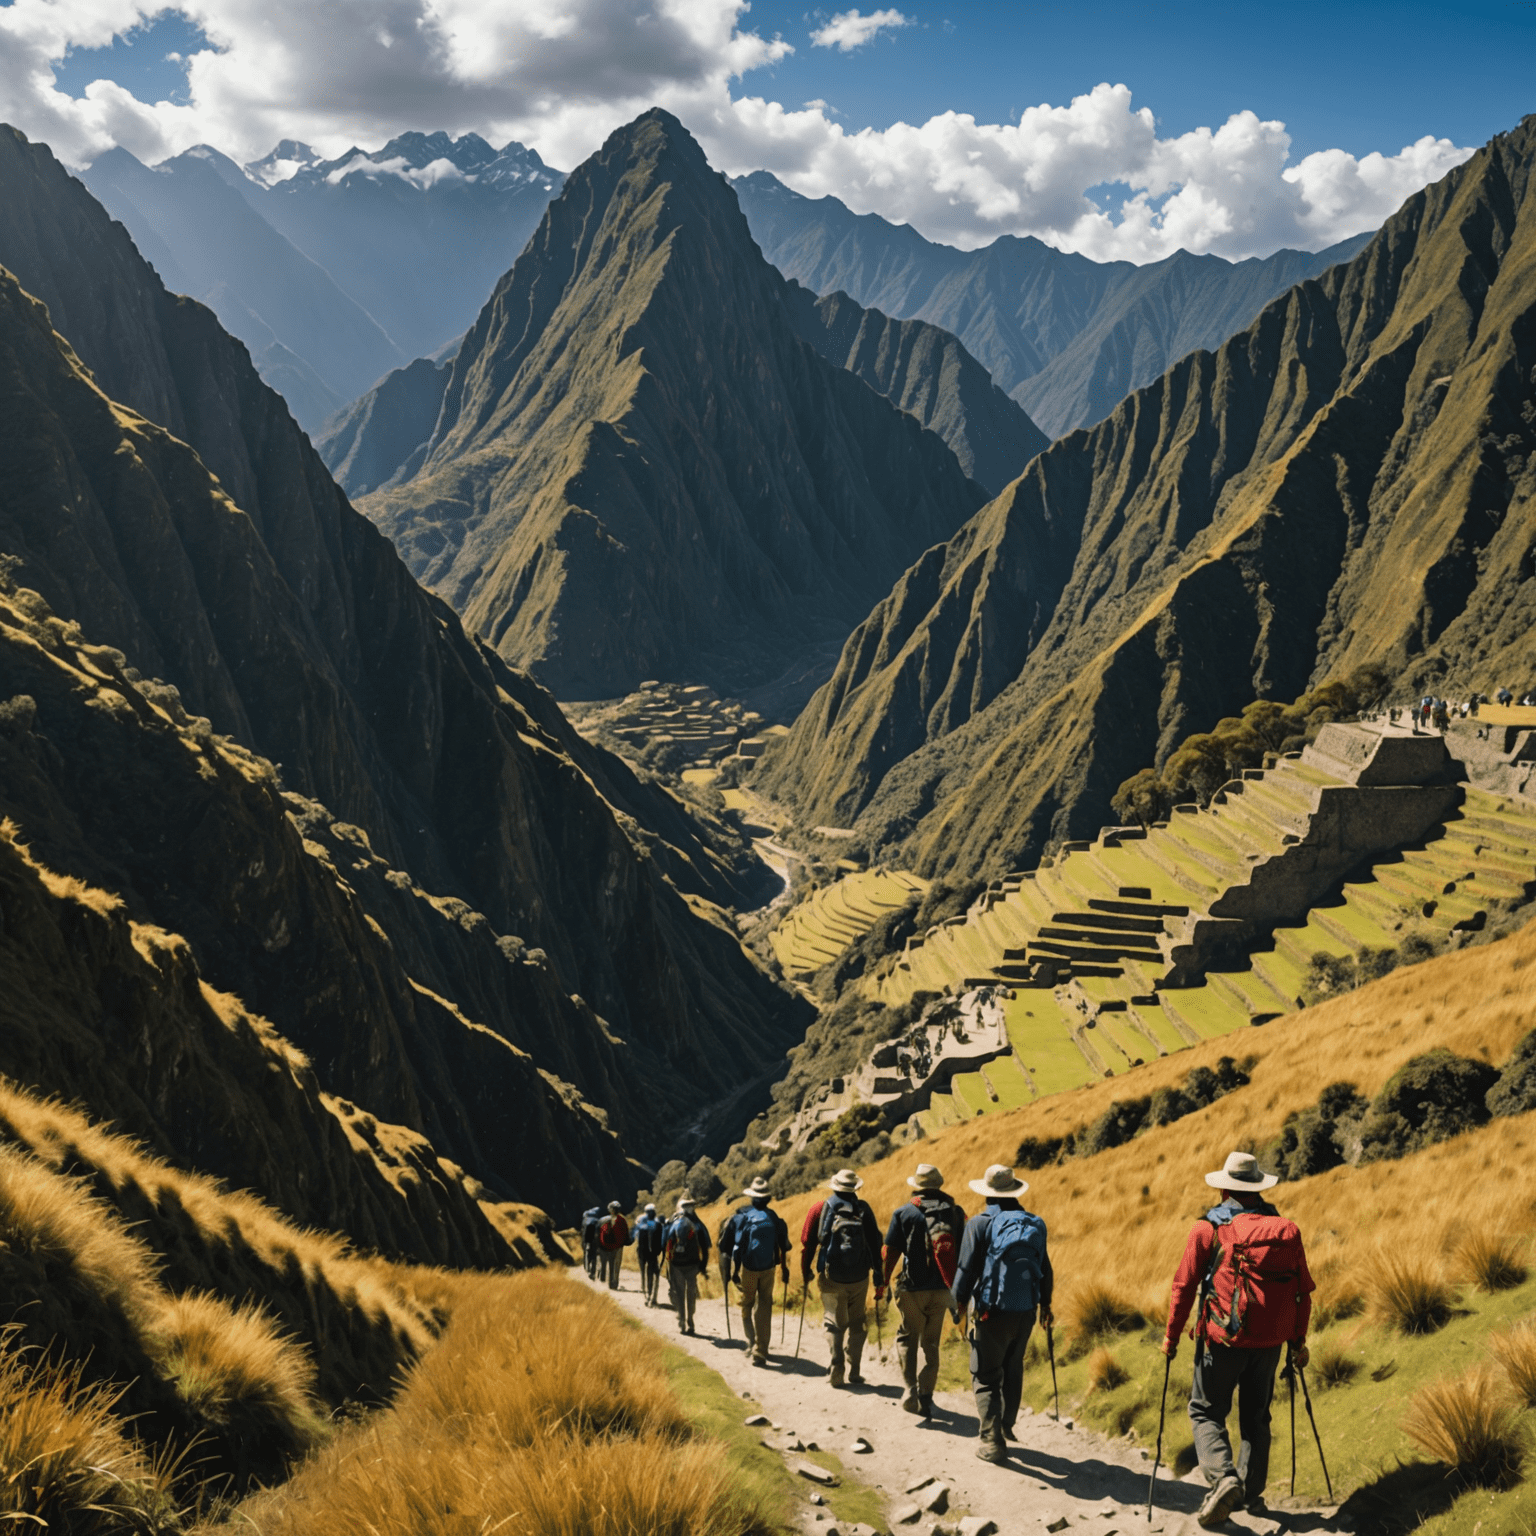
(843, 1305)
(757, 1310)
(922, 1326)
(683, 1289)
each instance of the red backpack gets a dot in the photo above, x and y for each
(1251, 1294)
(936, 1237)
(611, 1233)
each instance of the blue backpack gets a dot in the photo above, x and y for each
(1010, 1273)
(648, 1237)
(757, 1238)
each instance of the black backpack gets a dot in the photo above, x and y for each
(844, 1247)
(686, 1247)
(932, 1247)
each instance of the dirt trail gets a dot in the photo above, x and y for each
(1055, 1472)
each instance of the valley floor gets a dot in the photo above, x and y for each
(1058, 1471)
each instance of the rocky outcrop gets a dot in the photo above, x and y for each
(527, 883)
(1066, 337)
(640, 470)
(929, 375)
(1348, 481)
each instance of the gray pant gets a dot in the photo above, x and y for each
(1220, 1371)
(843, 1308)
(997, 1368)
(683, 1288)
(650, 1278)
(922, 1326)
(609, 1262)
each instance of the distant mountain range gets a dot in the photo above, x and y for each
(1066, 337)
(1350, 480)
(639, 468)
(334, 271)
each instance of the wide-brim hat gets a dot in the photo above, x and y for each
(686, 1202)
(1241, 1171)
(650, 1207)
(757, 1189)
(926, 1177)
(613, 1205)
(845, 1182)
(998, 1182)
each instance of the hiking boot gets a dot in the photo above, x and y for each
(925, 1407)
(854, 1379)
(1009, 1433)
(1226, 1496)
(992, 1450)
(911, 1402)
(759, 1359)
(835, 1378)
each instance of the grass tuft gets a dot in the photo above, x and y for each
(1333, 1367)
(1097, 1312)
(1105, 1373)
(1491, 1262)
(1465, 1423)
(1410, 1295)
(65, 1463)
(1516, 1352)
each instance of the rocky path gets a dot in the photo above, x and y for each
(1060, 1478)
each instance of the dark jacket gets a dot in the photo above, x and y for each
(907, 1238)
(738, 1236)
(811, 1234)
(589, 1221)
(973, 1257)
(650, 1235)
(727, 1239)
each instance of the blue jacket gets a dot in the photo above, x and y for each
(973, 1256)
(650, 1234)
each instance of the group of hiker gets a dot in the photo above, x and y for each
(1242, 1284)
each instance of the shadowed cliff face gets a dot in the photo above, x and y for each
(482, 826)
(1350, 480)
(640, 470)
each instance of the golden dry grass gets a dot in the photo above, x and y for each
(541, 1410)
(65, 1462)
(1096, 1310)
(1516, 1353)
(1493, 1262)
(1104, 1230)
(1105, 1373)
(1467, 1423)
(1333, 1366)
(1410, 1293)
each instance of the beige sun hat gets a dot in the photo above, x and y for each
(846, 1182)
(613, 1205)
(1241, 1171)
(998, 1183)
(650, 1207)
(757, 1190)
(926, 1177)
(685, 1201)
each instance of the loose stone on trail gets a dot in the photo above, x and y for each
(753, 1420)
(809, 1470)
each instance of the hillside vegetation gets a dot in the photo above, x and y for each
(1347, 483)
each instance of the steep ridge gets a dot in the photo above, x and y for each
(1347, 482)
(929, 375)
(382, 436)
(283, 306)
(1068, 338)
(477, 826)
(640, 470)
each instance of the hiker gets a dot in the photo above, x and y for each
(650, 1239)
(612, 1239)
(1244, 1271)
(924, 1238)
(759, 1254)
(589, 1221)
(725, 1244)
(842, 1240)
(1005, 1270)
(1505, 696)
(687, 1253)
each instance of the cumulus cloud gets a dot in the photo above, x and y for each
(849, 30)
(559, 75)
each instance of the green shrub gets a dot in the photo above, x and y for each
(1515, 1091)
(1431, 1098)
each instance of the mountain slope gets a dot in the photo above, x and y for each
(1068, 338)
(929, 375)
(274, 298)
(528, 884)
(382, 436)
(640, 470)
(1350, 480)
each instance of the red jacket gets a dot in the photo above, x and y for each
(1287, 1312)
(612, 1232)
(808, 1234)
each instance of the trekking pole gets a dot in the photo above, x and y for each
(1050, 1346)
(805, 1290)
(1290, 1383)
(879, 1334)
(1162, 1414)
(1307, 1399)
(725, 1288)
(784, 1315)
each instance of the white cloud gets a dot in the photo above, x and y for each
(849, 30)
(560, 75)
